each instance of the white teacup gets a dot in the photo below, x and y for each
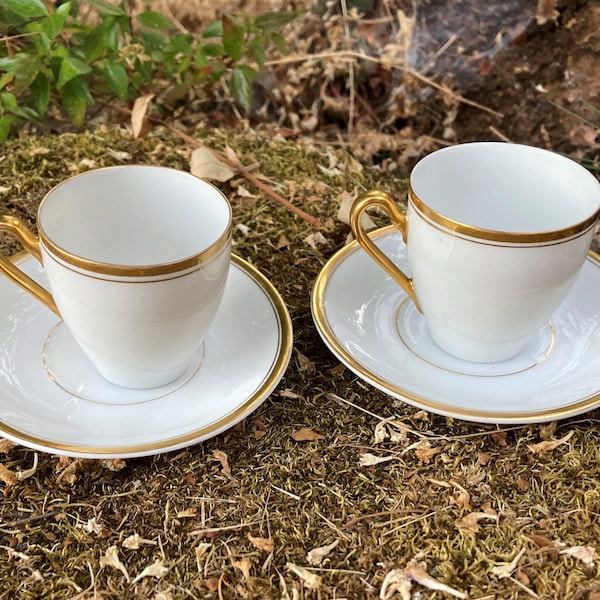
(136, 259)
(496, 235)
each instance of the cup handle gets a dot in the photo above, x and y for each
(398, 218)
(29, 241)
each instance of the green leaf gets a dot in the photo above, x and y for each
(279, 42)
(75, 96)
(4, 128)
(5, 79)
(108, 9)
(213, 29)
(8, 101)
(153, 39)
(53, 24)
(101, 40)
(258, 51)
(40, 92)
(26, 72)
(155, 20)
(10, 64)
(274, 20)
(26, 8)
(116, 77)
(69, 68)
(212, 50)
(233, 37)
(240, 89)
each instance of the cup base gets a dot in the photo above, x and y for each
(413, 331)
(68, 367)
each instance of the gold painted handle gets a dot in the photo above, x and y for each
(29, 241)
(398, 218)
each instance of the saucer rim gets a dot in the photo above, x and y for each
(319, 309)
(272, 378)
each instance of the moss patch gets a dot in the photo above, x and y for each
(238, 516)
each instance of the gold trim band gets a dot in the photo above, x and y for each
(525, 237)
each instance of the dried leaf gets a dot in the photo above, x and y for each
(543, 447)
(69, 472)
(114, 464)
(200, 550)
(546, 11)
(93, 526)
(381, 433)
(206, 165)
(305, 365)
(503, 570)
(542, 541)
(157, 569)
(138, 114)
(316, 555)
(343, 214)
(265, 544)
(315, 239)
(6, 445)
(133, 542)
(425, 452)
(283, 242)
(585, 554)
(7, 476)
(310, 580)
(368, 460)
(499, 437)
(306, 435)
(583, 135)
(244, 566)
(222, 458)
(395, 582)
(471, 521)
(188, 513)
(416, 571)
(111, 559)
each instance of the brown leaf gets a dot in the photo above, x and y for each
(6, 445)
(425, 452)
(305, 365)
(114, 464)
(484, 458)
(222, 458)
(583, 135)
(244, 566)
(188, 513)
(543, 447)
(306, 435)
(283, 242)
(499, 437)
(212, 583)
(7, 476)
(204, 164)
(265, 544)
(138, 115)
(542, 541)
(522, 483)
(471, 521)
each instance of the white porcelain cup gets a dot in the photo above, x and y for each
(496, 234)
(136, 259)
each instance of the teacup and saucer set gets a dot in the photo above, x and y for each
(483, 304)
(134, 330)
(141, 333)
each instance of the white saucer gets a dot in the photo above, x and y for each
(368, 322)
(52, 399)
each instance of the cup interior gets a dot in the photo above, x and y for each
(134, 216)
(506, 187)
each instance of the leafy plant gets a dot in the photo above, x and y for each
(51, 58)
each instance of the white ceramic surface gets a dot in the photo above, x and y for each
(52, 399)
(368, 322)
(136, 258)
(497, 233)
